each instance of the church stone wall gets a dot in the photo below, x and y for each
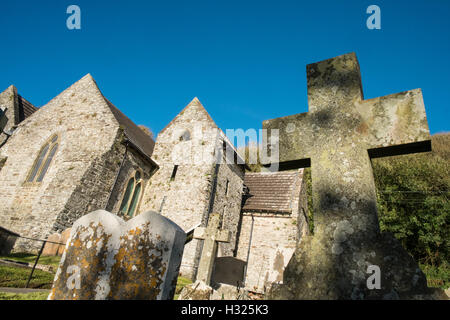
(133, 161)
(97, 184)
(86, 131)
(7, 100)
(274, 238)
(185, 198)
(191, 141)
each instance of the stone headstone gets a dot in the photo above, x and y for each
(64, 238)
(224, 291)
(211, 235)
(52, 245)
(199, 290)
(108, 258)
(337, 138)
(7, 241)
(228, 270)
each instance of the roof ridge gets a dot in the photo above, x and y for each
(194, 102)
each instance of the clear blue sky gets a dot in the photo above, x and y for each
(245, 60)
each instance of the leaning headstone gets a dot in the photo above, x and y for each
(211, 235)
(52, 245)
(199, 290)
(108, 258)
(348, 257)
(7, 241)
(64, 238)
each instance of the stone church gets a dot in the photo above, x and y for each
(79, 153)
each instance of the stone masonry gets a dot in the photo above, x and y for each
(82, 172)
(191, 183)
(272, 226)
(190, 172)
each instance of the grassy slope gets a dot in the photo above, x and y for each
(16, 277)
(24, 296)
(413, 202)
(31, 258)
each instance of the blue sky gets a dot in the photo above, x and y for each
(245, 60)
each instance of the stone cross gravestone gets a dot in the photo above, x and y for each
(337, 138)
(211, 235)
(108, 258)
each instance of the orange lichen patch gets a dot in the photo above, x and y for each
(90, 261)
(137, 273)
(52, 293)
(84, 263)
(76, 243)
(135, 232)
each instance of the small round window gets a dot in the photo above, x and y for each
(185, 136)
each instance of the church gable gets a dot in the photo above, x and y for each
(189, 139)
(13, 110)
(190, 184)
(82, 168)
(193, 113)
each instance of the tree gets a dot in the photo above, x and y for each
(146, 130)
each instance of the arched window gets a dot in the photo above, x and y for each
(131, 196)
(43, 160)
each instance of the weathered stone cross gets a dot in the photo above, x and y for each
(211, 235)
(337, 138)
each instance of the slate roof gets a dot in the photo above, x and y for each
(26, 109)
(270, 191)
(137, 137)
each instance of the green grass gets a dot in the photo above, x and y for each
(437, 277)
(31, 258)
(181, 283)
(24, 296)
(15, 277)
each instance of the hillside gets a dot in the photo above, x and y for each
(413, 199)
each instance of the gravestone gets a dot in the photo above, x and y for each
(7, 241)
(211, 235)
(337, 138)
(64, 238)
(108, 258)
(52, 245)
(228, 270)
